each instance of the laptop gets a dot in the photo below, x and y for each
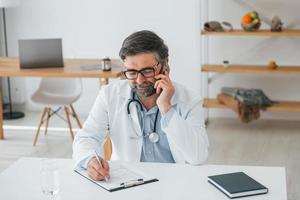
(40, 53)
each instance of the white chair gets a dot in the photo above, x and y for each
(57, 92)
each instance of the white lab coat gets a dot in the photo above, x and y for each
(185, 131)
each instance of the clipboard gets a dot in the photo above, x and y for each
(122, 177)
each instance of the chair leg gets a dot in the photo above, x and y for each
(48, 119)
(39, 127)
(75, 116)
(69, 122)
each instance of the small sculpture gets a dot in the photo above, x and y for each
(272, 65)
(276, 25)
(225, 63)
(215, 26)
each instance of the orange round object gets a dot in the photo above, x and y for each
(247, 19)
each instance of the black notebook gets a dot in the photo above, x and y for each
(237, 184)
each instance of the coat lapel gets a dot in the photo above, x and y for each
(132, 123)
(126, 94)
(135, 119)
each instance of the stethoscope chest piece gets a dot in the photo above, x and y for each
(153, 137)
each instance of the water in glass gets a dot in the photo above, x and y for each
(49, 177)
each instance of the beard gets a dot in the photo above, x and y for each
(143, 90)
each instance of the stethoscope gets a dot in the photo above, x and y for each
(153, 136)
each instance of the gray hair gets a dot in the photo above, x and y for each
(144, 42)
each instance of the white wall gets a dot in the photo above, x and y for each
(96, 28)
(257, 50)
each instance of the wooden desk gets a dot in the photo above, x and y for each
(10, 67)
(21, 181)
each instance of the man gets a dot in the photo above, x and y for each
(151, 118)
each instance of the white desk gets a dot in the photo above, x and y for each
(21, 181)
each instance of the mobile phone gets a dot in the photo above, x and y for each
(163, 70)
(167, 68)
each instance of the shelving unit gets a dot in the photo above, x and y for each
(278, 106)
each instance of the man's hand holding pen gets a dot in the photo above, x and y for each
(98, 168)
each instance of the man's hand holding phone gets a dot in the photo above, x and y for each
(164, 87)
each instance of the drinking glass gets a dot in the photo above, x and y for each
(49, 177)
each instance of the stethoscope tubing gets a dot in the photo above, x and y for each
(133, 100)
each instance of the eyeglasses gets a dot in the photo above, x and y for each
(147, 72)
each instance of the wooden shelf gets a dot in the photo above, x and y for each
(279, 106)
(240, 32)
(251, 69)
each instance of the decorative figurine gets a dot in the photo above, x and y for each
(251, 21)
(276, 25)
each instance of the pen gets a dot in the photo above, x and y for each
(132, 183)
(98, 159)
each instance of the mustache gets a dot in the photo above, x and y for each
(142, 86)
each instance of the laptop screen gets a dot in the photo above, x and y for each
(40, 53)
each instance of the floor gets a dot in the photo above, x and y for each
(265, 142)
(19, 136)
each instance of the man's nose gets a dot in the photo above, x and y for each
(140, 78)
